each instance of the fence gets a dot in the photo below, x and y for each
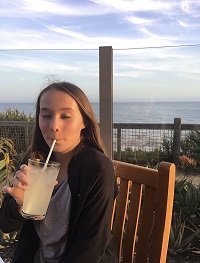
(135, 136)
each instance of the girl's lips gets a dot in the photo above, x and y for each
(57, 140)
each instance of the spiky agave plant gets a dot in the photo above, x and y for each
(6, 165)
(7, 151)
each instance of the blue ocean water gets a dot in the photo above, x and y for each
(135, 112)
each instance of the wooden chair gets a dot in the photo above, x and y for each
(142, 214)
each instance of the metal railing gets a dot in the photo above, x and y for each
(147, 137)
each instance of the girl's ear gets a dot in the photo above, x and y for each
(83, 125)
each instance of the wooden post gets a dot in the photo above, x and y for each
(176, 140)
(106, 97)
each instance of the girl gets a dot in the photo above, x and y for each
(76, 228)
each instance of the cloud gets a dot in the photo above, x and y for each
(153, 62)
(149, 39)
(140, 21)
(36, 65)
(70, 33)
(63, 38)
(191, 7)
(137, 5)
(127, 63)
(148, 22)
(153, 14)
(182, 23)
(23, 8)
(166, 7)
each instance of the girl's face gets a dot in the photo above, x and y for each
(60, 119)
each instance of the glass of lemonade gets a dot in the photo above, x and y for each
(37, 195)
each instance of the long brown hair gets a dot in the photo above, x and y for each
(90, 134)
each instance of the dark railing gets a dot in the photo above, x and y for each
(136, 136)
(149, 137)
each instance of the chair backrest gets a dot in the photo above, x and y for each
(143, 210)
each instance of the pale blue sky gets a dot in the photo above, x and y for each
(141, 32)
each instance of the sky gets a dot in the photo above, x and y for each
(156, 47)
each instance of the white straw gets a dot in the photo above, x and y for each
(49, 155)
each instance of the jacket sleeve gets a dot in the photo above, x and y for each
(10, 218)
(93, 229)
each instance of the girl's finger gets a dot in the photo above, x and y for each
(5, 189)
(21, 177)
(17, 183)
(24, 168)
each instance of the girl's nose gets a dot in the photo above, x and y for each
(54, 127)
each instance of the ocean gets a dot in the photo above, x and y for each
(135, 112)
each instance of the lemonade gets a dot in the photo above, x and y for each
(37, 196)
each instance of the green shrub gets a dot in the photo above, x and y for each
(20, 135)
(196, 146)
(190, 146)
(140, 157)
(15, 115)
(167, 149)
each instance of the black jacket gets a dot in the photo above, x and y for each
(93, 188)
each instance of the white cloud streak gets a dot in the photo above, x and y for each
(23, 8)
(36, 65)
(137, 5)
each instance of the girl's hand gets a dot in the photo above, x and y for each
(19, 185)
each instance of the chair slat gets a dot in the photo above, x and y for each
(163, 212)
(120, 213)
(132, 222)
(147, 217)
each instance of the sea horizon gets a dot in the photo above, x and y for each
(134, 112)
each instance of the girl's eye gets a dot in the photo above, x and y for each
(46, 116)
(65, 117)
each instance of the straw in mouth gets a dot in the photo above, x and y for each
(49, 155)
